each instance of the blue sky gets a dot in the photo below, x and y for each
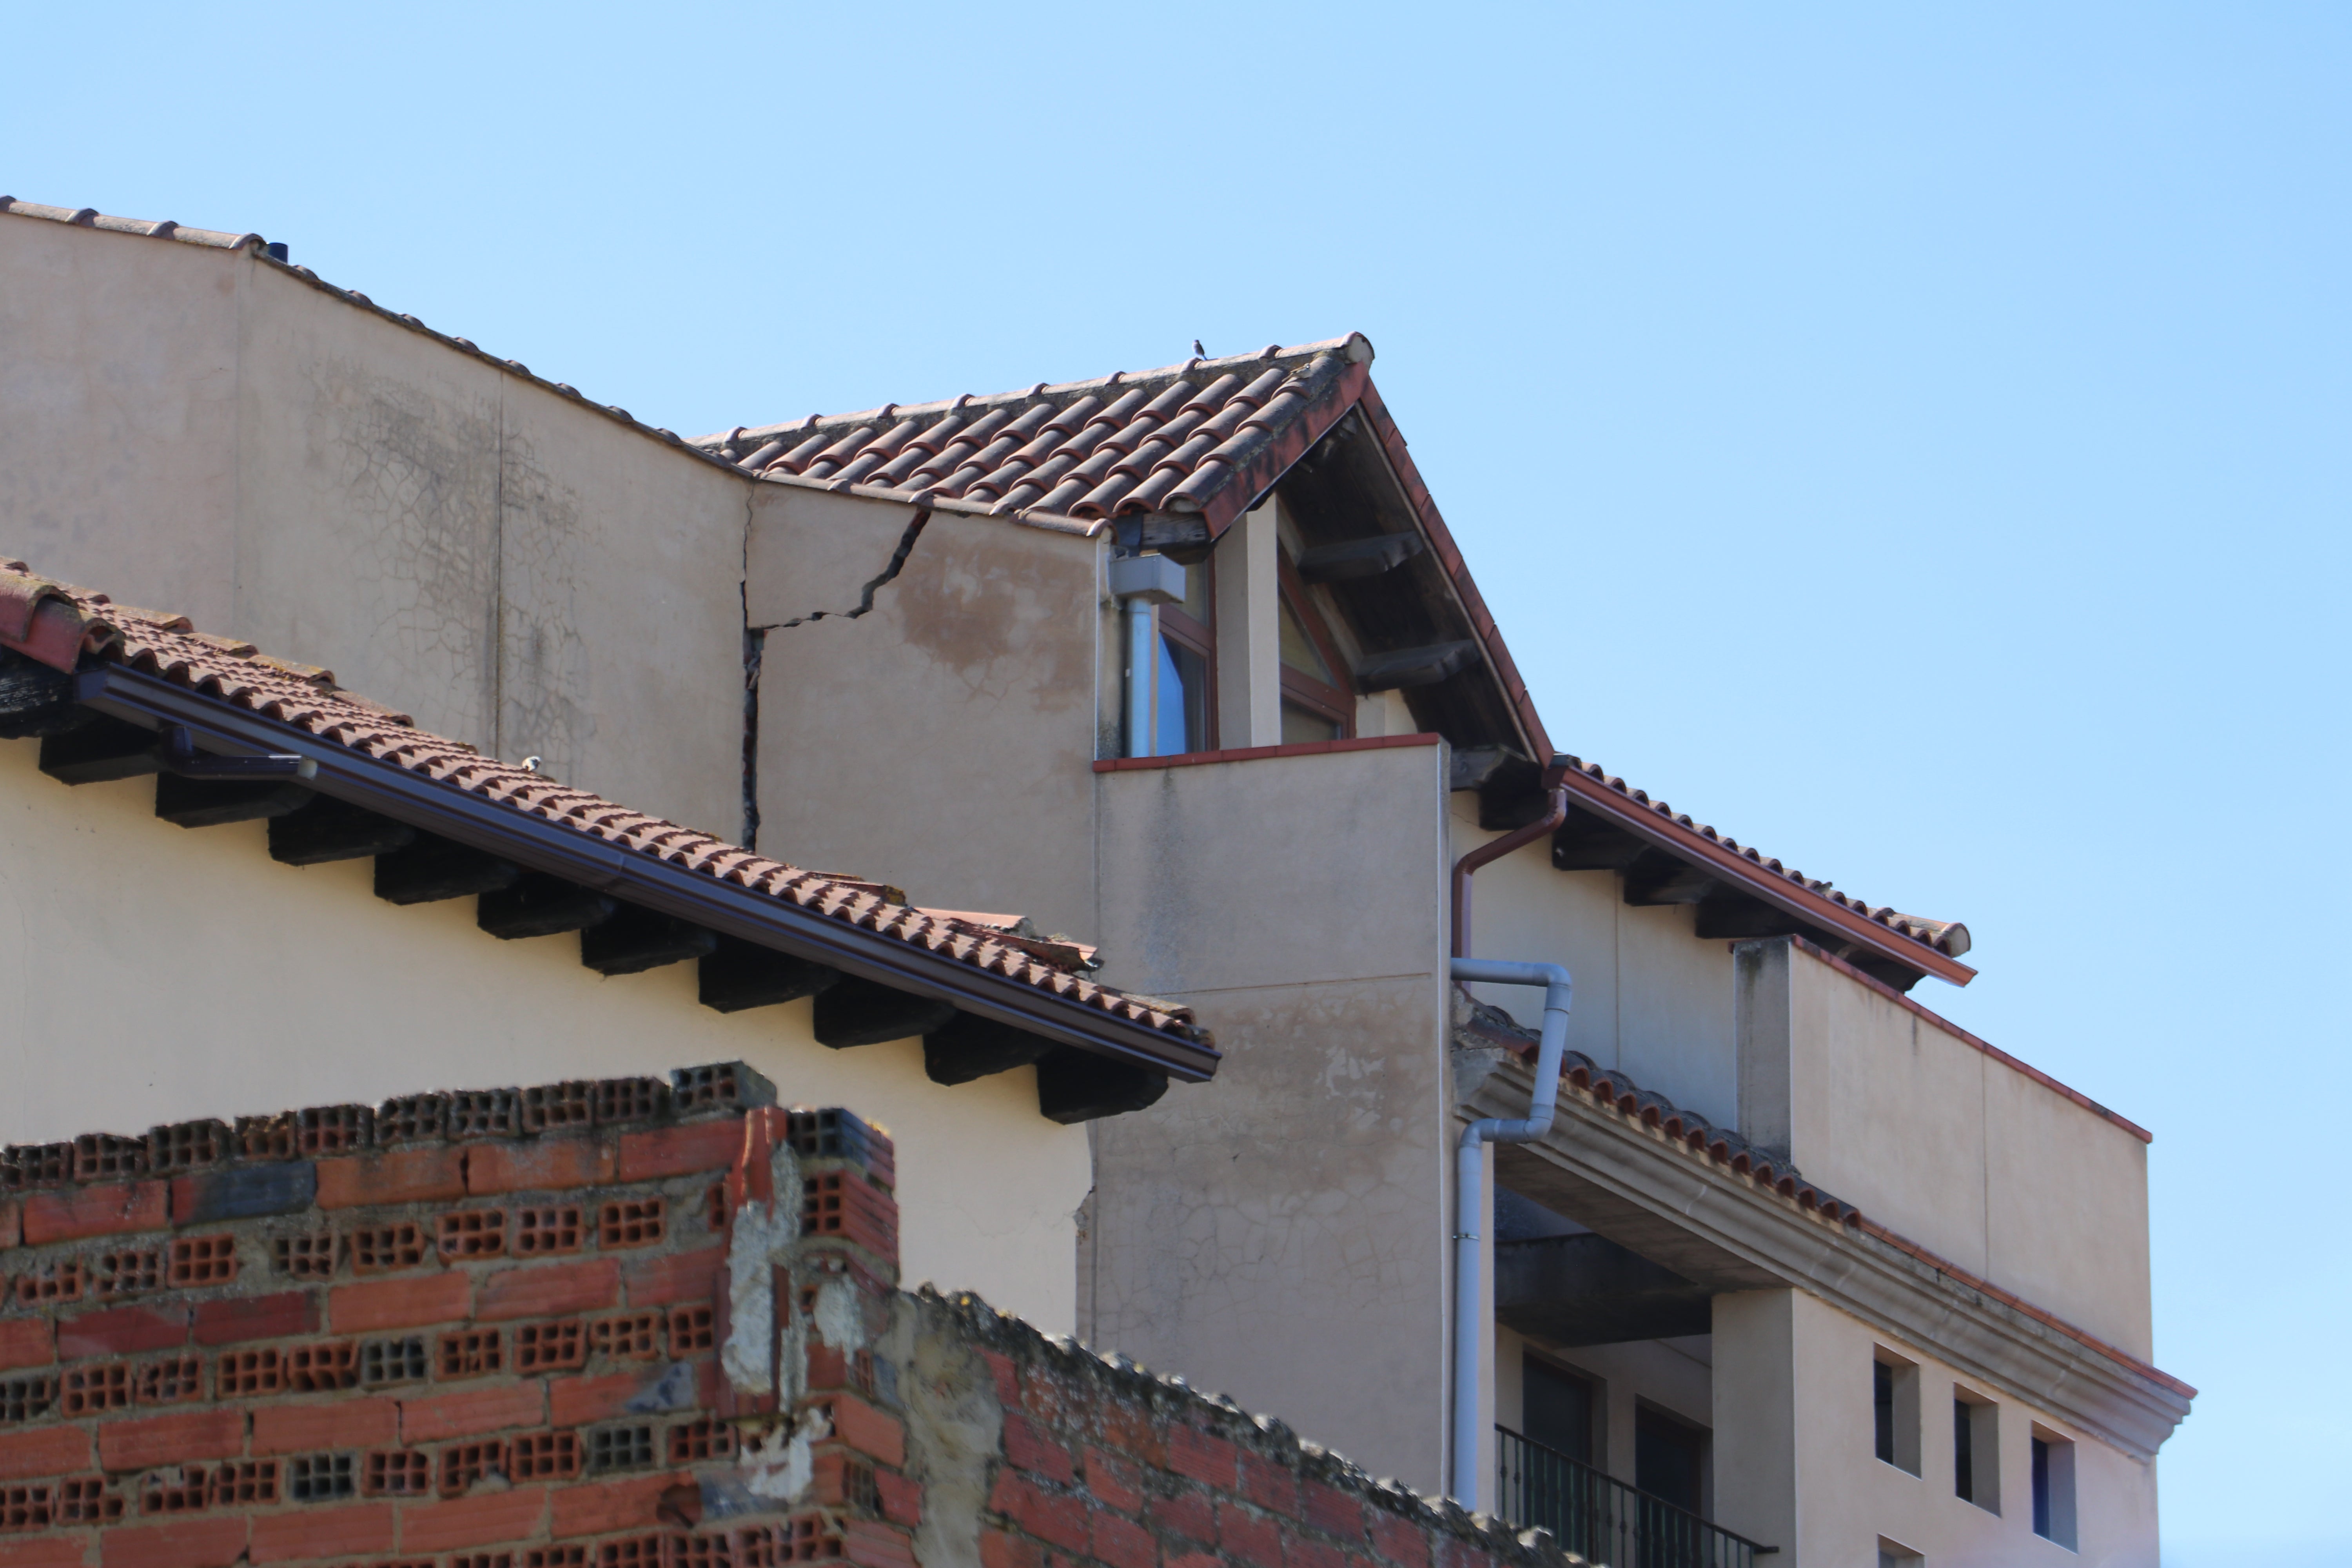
(1914, 441)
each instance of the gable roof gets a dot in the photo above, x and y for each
(157, 667)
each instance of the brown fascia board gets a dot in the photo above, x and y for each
(540, 846)
(1668, 834)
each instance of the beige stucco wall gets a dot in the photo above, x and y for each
(1651, 998)
(1966, 1155)
(940, 740)
(204, 432)
(1280, 1233)
(155, 974)
(1794, 1458)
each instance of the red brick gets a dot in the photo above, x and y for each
(1189, 1514)
(171, 1439)
(1269, 1485)
(1002, 1548)
(126, 1331)
(477, 1410)
(310, 1534)
(25, 1342)
(52, 1551)
(191, 1543)
(1114, 1482)
(484, 1520)
(902, 1500)
(1197, 1560)
(1028, 1447)
(342, 1424)
(44, 1451)
(1332, 1511)
(1398, 1540)
(1209, 1460)
(1298, 1552)
(612, 1505)
(550, 1290)
(549, 1165)
(1246, 1538)
(870, 1432)
(1127, 1429)
(429, 1175)
(680, 1151)
(1122, 1544)
(400, 1303)
(257, 1318)
(869, 1545)
(577, 1400)
(115, 1208)
(1008, 1380)
(680, 1276)
(12, 1224)
(1056, 1520)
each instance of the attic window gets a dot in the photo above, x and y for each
(1316, 705)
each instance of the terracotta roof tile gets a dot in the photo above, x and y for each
(59, 625)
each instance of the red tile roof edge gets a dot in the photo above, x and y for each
(1987, 1047)
(1255, 753)
(61, 625)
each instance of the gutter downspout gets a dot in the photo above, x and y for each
(1468, 867)
(1469, 1183)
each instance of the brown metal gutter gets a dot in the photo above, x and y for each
(1468, 867)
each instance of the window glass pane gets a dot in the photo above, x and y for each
(1300, 725)
(1298, 649)
(1667, 1459)
(1559, 1411)
(1180, 719)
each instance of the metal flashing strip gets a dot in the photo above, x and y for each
(722, 907)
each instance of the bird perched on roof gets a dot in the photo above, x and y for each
(1198, 352)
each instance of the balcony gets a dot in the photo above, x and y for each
(1603, 1519)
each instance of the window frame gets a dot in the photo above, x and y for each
(1177, 625)
(1317, 697)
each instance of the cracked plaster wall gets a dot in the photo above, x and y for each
(194, 430)
(1281, 1231)
(956, 712)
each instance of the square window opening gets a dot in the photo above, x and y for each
(1975, 1450)
(2054, 1487)
(1895, 1410)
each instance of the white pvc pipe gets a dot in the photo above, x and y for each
(1469, 1186)
(1141, 667)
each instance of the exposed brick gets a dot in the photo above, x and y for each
(577, 1400)
(435, 1173)
(612, 1505)
(171, 1439)
(400, 1303)
(1269, 1485)
(1196, 1560)
(342, 1423)
(124, 1330)
(1128, 1430)
(1008, 1378)
(244, 1191)
(1120, 1543)
(870, 1545)
(1299, 1551)
(1114, 1482)
(112, 1208)
(26, 1342)
(1246, 1538)
(1209, 1460)
(884, 1437)
(680, 1151)
(234, 1320)
(1002, 1548)
(1330, 1510)
(550, 1290)
(44, 1451)
(680, 1276)
(475, 1410)
(1398, 1540)
(1027, 1446)
(902, 1500)
(1055, 1519)
(485, 1520)
(49, 1551)
(1188, 1514)
(12, 1224)
(310, 1534)
(189, 1544)
(549, 1164)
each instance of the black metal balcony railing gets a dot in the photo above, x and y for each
(1603, 1519)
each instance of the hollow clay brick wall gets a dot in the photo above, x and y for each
(627, 1324)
